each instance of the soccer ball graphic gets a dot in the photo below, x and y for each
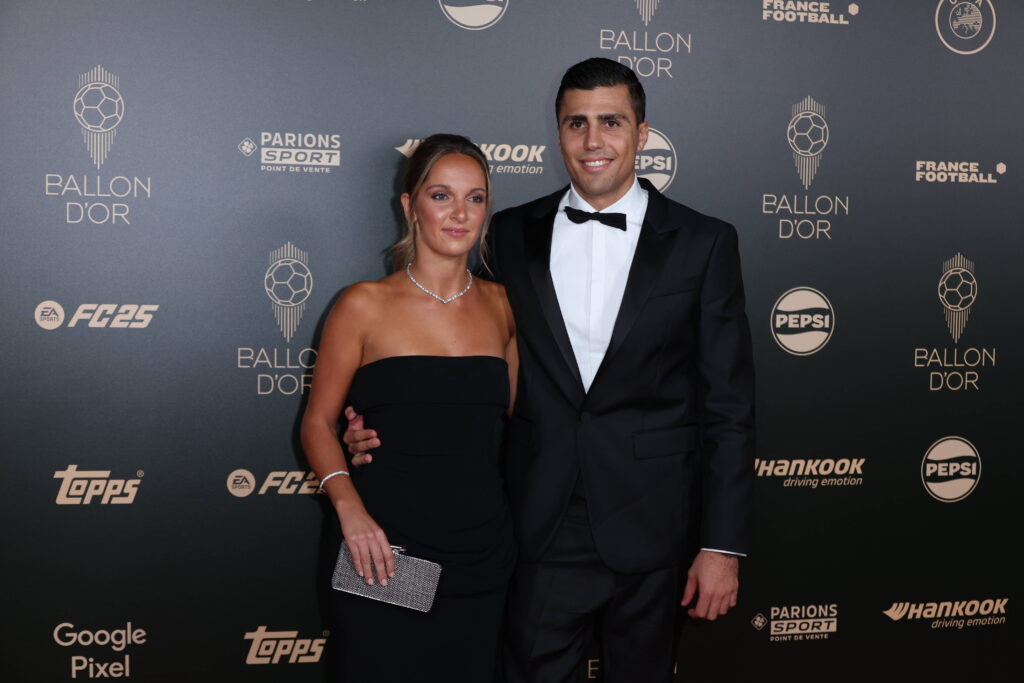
(288, 282)
(807, 134)
(958, 289)
(98, 107)
(965, 20)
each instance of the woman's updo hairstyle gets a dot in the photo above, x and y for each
(428, 153)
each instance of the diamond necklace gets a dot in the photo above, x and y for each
(453, 297)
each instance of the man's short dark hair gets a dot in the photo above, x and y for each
(599, 72)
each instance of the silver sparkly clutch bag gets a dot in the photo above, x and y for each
(413, 585)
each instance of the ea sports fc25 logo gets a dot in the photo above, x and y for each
(242, 483)
(802, 321)
(474, 15)
(49, 315)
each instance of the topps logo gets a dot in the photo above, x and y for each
(270, 647)
(82, 487)
(114, 316)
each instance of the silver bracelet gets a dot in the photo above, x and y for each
(320, 489)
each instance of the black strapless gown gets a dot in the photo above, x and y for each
(435, 487)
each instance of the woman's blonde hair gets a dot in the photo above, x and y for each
(428, 153)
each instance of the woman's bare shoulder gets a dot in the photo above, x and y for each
(492, 290)
(362, 300)
(494, 294)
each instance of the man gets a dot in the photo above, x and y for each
(631, 443)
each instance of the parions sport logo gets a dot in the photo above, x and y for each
(958, 614)
(801, 12)
(951, 469)
(648, 53)
(798, 622)
(965, 27)
(657, 160)
(504, 158)
(83, 487)
(288, 283)
(473, 15)
(118, 640)
(294, 152)
(49, 315)
(283, 647)
(802, 321)
(241, 483)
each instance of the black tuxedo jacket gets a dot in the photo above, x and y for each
(664, 438)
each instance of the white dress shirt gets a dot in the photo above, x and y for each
(589, 267)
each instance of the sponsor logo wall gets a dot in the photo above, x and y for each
(186, 193)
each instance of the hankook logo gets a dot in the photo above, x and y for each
(956, 614)
(503, 157)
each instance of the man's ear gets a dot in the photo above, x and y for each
(644, 130)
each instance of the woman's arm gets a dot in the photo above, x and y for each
(339, 356)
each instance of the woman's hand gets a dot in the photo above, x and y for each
(368, 544)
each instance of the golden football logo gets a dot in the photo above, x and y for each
(646, 9)
(957, 290)
(288, 283)
(99, 110)
(807, 134)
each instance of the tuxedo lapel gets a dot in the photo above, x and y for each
(648, 260)
(538, 262)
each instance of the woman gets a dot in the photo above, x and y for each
(428, 355)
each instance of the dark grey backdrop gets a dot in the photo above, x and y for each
(198, 567)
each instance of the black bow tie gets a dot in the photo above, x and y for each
(612, 220)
